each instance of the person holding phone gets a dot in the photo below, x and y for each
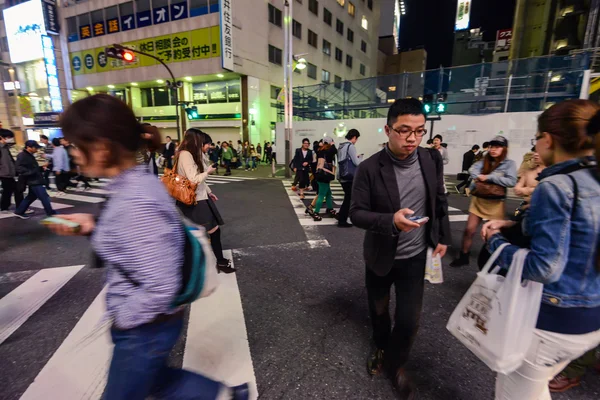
(192, 163)
(145, 325)
(402, 181)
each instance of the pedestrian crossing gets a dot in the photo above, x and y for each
(97, 194)
(216, 341)
(456, 215)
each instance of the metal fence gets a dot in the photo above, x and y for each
(509, 86)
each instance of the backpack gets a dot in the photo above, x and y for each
(346, 166)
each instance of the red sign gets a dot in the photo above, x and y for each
(503, 39)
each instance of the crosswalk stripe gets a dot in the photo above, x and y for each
(78, 369)
(217, 340)
(92, 191)
(223, 180)
(83, 199)
(459, 218)
(20, 304)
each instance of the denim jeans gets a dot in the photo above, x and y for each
(408, 276)
(36, 192)
(139, 366)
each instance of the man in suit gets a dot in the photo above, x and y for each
(169, 152)
(401, 181)
(301, 166)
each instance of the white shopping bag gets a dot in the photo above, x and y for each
(497, 316)
(433, 268)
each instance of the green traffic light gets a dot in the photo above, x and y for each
(427, 108)
(441, 108)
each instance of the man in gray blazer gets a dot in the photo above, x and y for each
(401, 182)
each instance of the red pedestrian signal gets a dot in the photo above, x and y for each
(120, 53)
(128, 56)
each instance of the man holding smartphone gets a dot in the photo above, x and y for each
(402, 181)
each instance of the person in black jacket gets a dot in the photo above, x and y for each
(301, 165)
(468, 160)
(169, 152)
(402, 181)
(29, 171)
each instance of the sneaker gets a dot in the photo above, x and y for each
(29, 211)
(21, 216)
(59, 194)
(562, 383)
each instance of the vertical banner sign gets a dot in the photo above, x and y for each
(50, 17)
(52, 74)
(463, 15)
(226, 35)
(503, 39)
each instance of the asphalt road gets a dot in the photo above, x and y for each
(305, 308)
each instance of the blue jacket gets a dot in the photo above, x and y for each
(504, 175)
(564, 251)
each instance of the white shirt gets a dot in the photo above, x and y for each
(274, 149)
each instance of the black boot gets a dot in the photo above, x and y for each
(461, 261)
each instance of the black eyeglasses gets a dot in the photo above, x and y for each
(534, 141)
(406, 132)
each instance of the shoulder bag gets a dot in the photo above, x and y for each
(488, 190)
(179, 187)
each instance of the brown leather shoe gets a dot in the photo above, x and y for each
(561, 383)
(405, 389)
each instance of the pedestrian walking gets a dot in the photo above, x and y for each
(325, 174)
(563, 227)
(60, 166)
(246, 155)
(402, 181)
(8, 172)
(47, 169)
(348, 161)
(468, 161)
(30, 174)
(253, 157)
(213, 156)
(227, 154)
(301, 166)
(268, 153)
(491, 177)
(169, 152)
(259, 151)
(192, 163)
(143, 263)
(274, 152)
(265, 152)
(438, 145)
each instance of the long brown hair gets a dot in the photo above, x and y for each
(568, 123)
(104, 118)
(490, 163)
(191, 143)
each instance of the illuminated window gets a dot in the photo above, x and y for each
(341, 2)
(351, 9)
(325, 76)
(364, 23)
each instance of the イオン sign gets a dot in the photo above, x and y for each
(185, 46)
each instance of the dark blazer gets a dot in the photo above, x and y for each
(468, 160)
(169, 152)
(28, 169)
(375, 200)
(299, 159)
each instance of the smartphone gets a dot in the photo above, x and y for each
(60, 221)
(419, 219)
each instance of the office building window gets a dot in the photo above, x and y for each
(72, 30)
(297, 29)
(274, 15)
(337, 81)
(338, 54)
(363, 69)
(325, 76)
(341, 2)
(312, 38)
(351, 9)
(275, 92)
(313, 7)
(363, 46)
(339, 27)
(311, 71)
(275, 55)
(326, 47)
(157, 97)
(370, 4)
(348, 61)
(350, 35)
(126, 9)
(364, 23)
(327, 16)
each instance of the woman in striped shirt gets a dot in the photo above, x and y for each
(139, 237)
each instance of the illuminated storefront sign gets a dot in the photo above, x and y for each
(226, 35)
(52, 73)
(24, 28)
(463, 15)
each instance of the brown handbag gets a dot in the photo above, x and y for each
(179, 187)
(488, 190)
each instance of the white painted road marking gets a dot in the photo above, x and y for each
(20, 304)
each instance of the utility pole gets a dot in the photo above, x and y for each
(287, 83)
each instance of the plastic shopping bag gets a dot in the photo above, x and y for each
(433, 268)
(497, 316)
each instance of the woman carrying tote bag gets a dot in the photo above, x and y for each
(192, 163)
(563, 222)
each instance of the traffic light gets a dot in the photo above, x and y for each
(440, 108)
(427, 104)
(192, 112)
(120, 53)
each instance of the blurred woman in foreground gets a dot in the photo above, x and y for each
(563, 223)
(140, 239)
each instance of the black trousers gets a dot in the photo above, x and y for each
(62, 181)
(408, 276)
(345, 209)
(46, 173)
(9, 187)
(464, 183)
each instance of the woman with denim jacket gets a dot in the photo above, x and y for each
(563, 223)
(494, 168)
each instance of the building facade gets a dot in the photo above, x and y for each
(227, 54)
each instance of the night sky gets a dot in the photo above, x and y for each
(430, 24)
